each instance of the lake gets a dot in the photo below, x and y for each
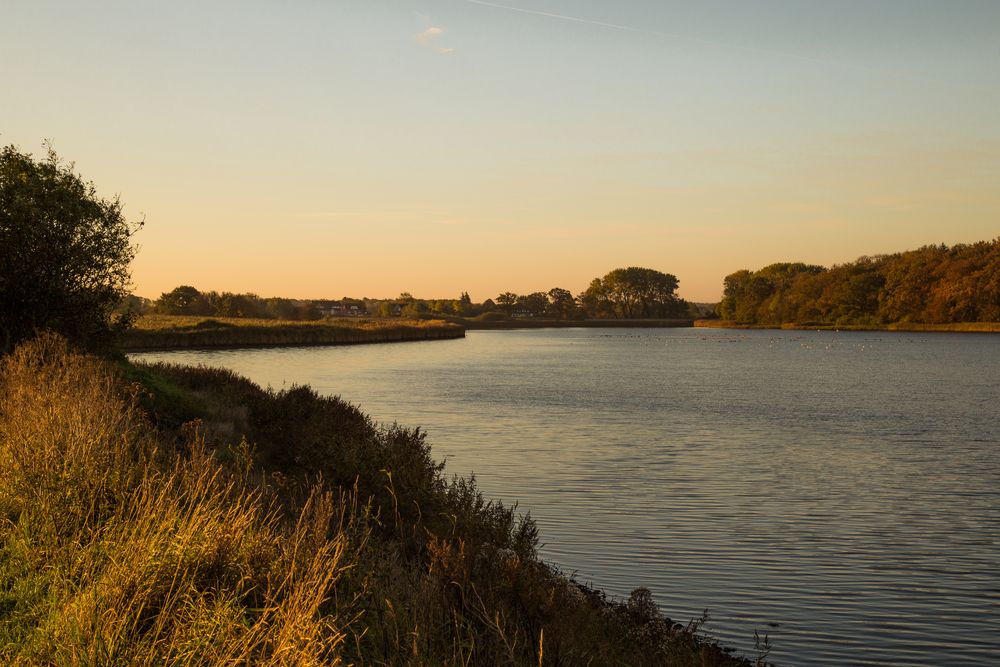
(836, 490)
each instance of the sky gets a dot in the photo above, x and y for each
(325, 148)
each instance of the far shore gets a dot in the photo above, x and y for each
(913, 327)
(162, 332)
(166, 332)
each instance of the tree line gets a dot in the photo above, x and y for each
(632, 293)
(934, 284)
(188, 300)
(629, 293)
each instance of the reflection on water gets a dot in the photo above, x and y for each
(836, 490)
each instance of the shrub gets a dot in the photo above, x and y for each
(64, 254)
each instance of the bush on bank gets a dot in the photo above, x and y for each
(171, 515)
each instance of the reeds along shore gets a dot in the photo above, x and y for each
(165, 332)
(171, 515)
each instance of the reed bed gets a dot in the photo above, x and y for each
(158, 332)
(156, 322)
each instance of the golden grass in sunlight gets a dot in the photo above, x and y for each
(181, 322)
(182, 331)
(113, 551)
(268, 528)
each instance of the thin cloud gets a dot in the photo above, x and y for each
(562, 17)
(429, 36)
(647, 31)
(746, 48)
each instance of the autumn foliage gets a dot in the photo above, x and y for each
(935, 284)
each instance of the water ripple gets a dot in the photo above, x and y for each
(836, 490)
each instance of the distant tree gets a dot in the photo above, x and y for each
(594, 300)
(414, 309)
(64, 254)
(182, 300)
(464, 305)
(135, 304)
(288, 309)
(506, 301)
(534, 304)
(634, 292)
(934, 284)
(228, 304)
(561, 305)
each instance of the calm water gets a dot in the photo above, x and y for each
(836, 490)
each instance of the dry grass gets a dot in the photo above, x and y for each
(187, 322)
(185, 544)
(115, 552)
(158, 332)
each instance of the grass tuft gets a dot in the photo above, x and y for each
(276, 528)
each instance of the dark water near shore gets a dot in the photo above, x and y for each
(839, 491)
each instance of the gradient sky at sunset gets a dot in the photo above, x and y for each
(311, 148)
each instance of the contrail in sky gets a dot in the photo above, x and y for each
(564, 17)
(726, 45)
(642, 31)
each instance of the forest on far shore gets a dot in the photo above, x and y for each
(623, 293)
(935, 284)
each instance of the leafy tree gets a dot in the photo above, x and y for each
(734, 288)
(534, 304)
(637, 292)
(465, 305)
(64, 254)
(934, 284)
(594, 300)
(561, 303)
(506, 301)
(183, 300)
(414, 308)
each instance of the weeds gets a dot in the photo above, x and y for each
(276, 528)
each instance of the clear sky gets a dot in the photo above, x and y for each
(323, 148)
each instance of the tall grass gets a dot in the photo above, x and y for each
(177, 331)
(156, 322)
(189, 517)
(114, 551)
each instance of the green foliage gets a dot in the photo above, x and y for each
(118, 548)
(507, 301)
(934, 284)
(281, 528)
(187, 300)
(64, 254)
(532, 305)
(183, 300)
(561, 304)
(633, 292)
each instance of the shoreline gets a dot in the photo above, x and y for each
(219, 333)
(958, 327)
(519, 323)
(165, 333)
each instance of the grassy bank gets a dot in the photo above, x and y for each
(160, 332)
(173, 515)
(958, 327)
